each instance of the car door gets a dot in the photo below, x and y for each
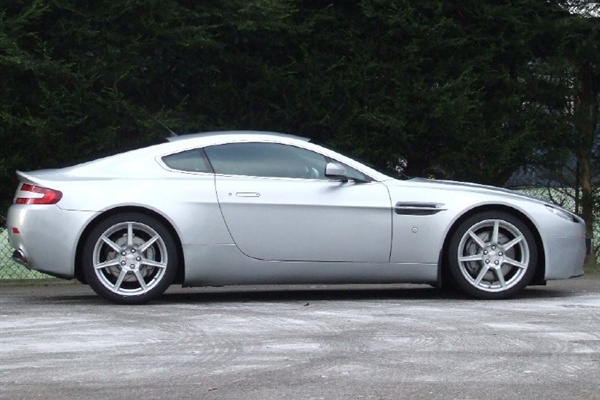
(278, 205)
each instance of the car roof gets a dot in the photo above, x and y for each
(189, 136)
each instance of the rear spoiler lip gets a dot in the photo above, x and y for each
(44, 177)
(27, 177)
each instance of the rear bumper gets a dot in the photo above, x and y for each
(45, 237)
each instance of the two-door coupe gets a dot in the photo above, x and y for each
(242, 207)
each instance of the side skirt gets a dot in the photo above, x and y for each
(219, 265)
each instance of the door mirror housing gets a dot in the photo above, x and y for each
(336, 171)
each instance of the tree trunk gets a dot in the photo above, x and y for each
(586, 120)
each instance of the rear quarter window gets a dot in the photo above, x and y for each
(188, 161)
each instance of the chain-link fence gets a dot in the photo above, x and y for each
(9, 270)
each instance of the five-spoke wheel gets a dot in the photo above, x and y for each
(492, 255)
(129, 258)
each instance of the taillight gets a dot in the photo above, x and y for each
(31, 194)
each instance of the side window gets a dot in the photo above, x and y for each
(189, 160)
(266, 159)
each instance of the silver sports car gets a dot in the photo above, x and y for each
(234, 208)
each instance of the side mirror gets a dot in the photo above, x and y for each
(336, 171)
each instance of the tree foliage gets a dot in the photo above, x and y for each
(468, 90)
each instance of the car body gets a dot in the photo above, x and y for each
(243, 207)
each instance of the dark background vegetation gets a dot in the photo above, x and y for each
(471, 90)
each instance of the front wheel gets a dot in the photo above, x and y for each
(492, 255)
(129, 258)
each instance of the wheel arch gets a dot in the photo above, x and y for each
(540, 270)
(179, 277)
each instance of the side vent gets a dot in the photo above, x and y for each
(414, 208)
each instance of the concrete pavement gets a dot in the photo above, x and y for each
(304, 342)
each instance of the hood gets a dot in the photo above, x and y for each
(473, 187)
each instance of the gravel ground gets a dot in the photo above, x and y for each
(61, 341)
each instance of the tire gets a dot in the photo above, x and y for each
(492, 255)
(130, 258)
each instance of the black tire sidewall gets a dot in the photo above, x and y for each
(87, 261)
(461, 283)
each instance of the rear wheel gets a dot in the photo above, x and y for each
(492, 255)
(129, 258)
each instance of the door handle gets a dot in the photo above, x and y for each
(247, 194)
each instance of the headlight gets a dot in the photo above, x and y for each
(561, 213)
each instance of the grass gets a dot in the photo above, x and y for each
(592, 269)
